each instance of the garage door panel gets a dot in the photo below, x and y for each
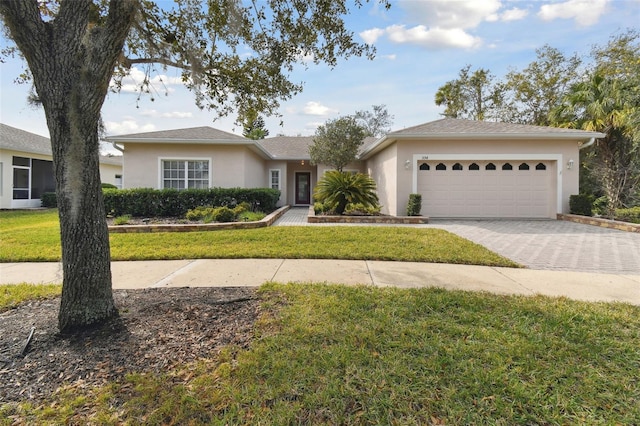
(488, 193)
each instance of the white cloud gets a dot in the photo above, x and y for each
(127, 126)
(585, 12)
(372, 35)
(514, 14)
(160, 82)
(444, 23)
(435, 38)
(451, 14)
(315, 108)
(173, 114)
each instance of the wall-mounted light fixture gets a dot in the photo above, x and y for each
(302, 162)
(570, 164)
(407, 164)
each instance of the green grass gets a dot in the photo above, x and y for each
(14, 294)
(330, 354)
(34, 236)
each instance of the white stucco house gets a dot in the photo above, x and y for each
(26, 168)
(462, 168)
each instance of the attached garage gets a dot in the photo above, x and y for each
(478, 169)
(487, 188)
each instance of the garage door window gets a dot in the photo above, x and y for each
(490, 166)
(541, 166)
(507, 166)
(523, 166)
(474, 166)
(424, 166)
(441, 166)
(457, 166)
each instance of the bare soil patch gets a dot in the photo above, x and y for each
(157, 329)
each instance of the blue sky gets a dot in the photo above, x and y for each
(420, 46)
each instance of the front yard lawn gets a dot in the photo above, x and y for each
(333, 354)
(34, 236)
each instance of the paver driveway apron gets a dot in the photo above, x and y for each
(553, 244)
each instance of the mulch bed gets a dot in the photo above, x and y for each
(157, 329)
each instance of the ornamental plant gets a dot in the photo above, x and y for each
(337, 189)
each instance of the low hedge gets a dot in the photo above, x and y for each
(146, 202)
(581, 204)
(49, 200)
(631, 215)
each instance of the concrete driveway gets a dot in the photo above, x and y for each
(553, 244)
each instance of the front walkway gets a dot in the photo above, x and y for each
(538, 244)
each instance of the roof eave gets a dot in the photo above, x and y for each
(389, 139)
(120, 140)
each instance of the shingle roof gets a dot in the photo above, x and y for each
(204, 134)
(23, 141)
(20, 140)
(287, 147)
(454, 126)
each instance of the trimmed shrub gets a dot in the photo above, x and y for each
(108, 186)
(631, 215)
(49, 199)
(359, 209)
(146, 202)
(414, 205)
(581, 204)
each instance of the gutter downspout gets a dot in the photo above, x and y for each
(588, 144)
(119, 148)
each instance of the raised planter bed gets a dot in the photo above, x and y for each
(598, 221)
(198, 227)
(397, 220)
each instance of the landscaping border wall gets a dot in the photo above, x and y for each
(198, 227)
(395, 220)
(598, 221)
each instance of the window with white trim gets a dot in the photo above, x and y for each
(274, 178)
(185, 174)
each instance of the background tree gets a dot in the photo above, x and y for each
(608, 101)
(533, 92)
(74, 48)
(377, 122)
(337, 142)
(254, 127)
(472, 96)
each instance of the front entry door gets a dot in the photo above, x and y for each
(303, 188)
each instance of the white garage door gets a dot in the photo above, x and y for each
(480, 189)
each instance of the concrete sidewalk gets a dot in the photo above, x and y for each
(254, 272)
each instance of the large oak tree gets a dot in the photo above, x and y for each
(235, 57)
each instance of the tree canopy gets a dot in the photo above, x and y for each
(336, 143)
(236, 57)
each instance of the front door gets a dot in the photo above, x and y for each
(303, 188)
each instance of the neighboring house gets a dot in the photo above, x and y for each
(462, 168)
(26, 168)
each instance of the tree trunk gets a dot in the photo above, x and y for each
(86, 293)
(72, 59)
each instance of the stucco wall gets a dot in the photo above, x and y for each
(385, 169)
(108, 173)
(231, 166)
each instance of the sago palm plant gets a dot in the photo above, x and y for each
(341, 188)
